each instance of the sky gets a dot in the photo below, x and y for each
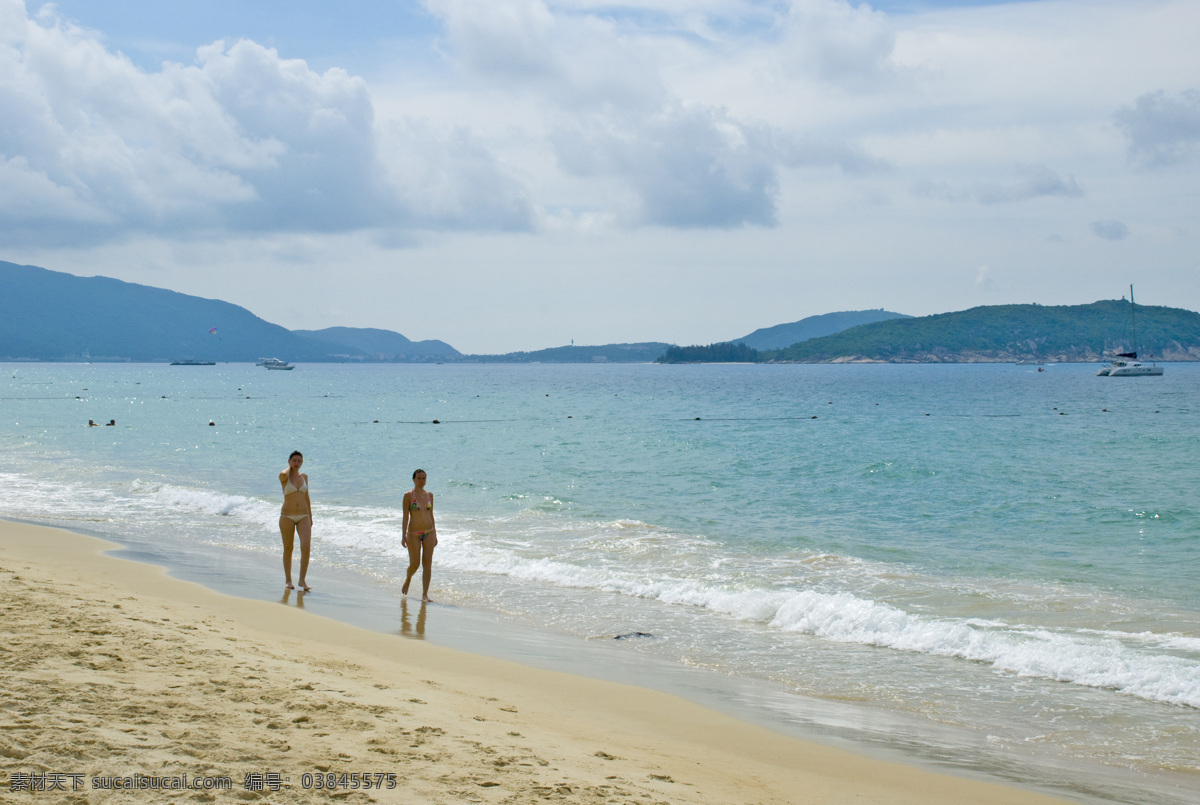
(518, 174)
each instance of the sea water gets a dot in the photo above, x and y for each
(990, 567)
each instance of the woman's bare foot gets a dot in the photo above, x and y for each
(288, 586)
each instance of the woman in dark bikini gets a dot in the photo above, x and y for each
(420, 533)
(295, 517)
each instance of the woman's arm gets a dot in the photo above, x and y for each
(404, 523)
(307, 499)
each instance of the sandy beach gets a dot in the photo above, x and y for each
(113, 669)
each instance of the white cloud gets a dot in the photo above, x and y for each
(34, 207)
(984, 280)
(508, 39)
(449, 179)
(581, 61)
(846, 45)
(1162, 129)
(240, 140)
(694, 166)
(1037, 181)
(1110, 229)
(1034, 181)
(687, 167)
(649, 155)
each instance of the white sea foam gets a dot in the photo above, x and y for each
(1131, 663)
(1098, 661)
(177, 498)
(1179, 642)
(1083, 660)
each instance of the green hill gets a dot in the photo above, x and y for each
(645, 352)
(382, 345)
(52, 316)
(49, 315)
(721, 352)
(784, 335)
(1009, 333)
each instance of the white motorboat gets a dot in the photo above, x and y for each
(275, 363)
(1126, 364)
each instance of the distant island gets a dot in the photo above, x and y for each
(645, 352)
(749, 348)
(988, 334)
(784, 335)
(722, 352)
(1002, 333)
(53, 316)
(368, 343)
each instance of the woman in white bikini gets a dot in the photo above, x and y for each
(295, 517)
(419, 533)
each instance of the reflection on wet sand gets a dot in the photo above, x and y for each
(406, 627)
(287, 596)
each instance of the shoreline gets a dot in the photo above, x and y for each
(368, 602)
(119, 669)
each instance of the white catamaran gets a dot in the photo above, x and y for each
(1126, 364)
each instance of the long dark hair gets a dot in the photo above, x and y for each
(294, 454)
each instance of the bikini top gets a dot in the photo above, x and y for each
(289, 489)
(414, 506)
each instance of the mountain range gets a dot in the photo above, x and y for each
(50, 316)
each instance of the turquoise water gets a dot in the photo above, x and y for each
(1009, 554)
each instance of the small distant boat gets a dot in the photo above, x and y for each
(191, 362)
(1126, 364)
(275, 363)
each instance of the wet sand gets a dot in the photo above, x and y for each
(114, 669)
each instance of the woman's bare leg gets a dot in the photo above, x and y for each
(427, 567)
(414, 561)
(288, 530)
(304, 529)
